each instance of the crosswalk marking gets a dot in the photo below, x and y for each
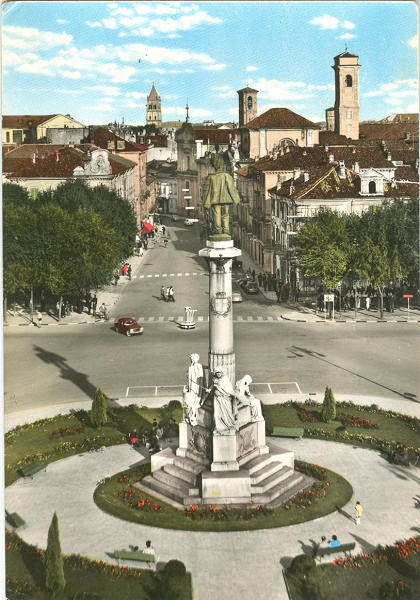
(141, 276)
(179, 274)
(157, 275)
(187, 274)
(260, 318)
(161, 318)
(149, 276)
(164, 275)
(194, 273)
(250, 318)
(269, 318)
(172, 275)
(239, 318)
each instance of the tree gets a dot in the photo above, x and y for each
(98, 413)
(54, 570)
(322, 246)
(328, 406)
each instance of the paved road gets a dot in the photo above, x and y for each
(54, 365)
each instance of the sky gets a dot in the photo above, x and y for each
(97, 61)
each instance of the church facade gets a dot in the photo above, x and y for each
(154, 108)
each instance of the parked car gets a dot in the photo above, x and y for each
(237, 297)
(190, 221)
(127, 325)
(250, 287)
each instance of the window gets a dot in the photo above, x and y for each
(372, 187)
(349, 128)
(349, 114)
(187, 185)
(7, 137)
(349, 81)
(150, 106)
(249, 102)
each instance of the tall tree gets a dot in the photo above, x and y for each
(54, 570)
(328, 406)
(98, 413)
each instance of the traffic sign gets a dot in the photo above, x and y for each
(328, 297)
(408, 295)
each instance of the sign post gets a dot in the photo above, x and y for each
(408, 296)
(328, 298)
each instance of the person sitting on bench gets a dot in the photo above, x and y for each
(134, 440)
(334, 542)
(149, 549)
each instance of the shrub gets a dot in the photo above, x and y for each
(54, 570)
(174, 405)
(175, 568)
(328, 406)
(98, 414)
(311, 587)
(301, 565)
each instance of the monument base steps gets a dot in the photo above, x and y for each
(305, 482)
(187, 476)
(189, 465)
(159, 495)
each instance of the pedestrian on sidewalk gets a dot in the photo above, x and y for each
(39, 317)
(253, 274)
(265, 281)
(165, 242)
(141, 251)
(163, 293)
(129, 272)
(163, 229)
(94, 304)
(170, 294)
(260, 279)
(359, 512)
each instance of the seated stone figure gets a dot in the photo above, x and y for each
(193, 389)
(245, 398)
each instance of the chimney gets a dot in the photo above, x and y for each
(389, 157)
(407, 135)
(306, 176)
(296, 172)
(353, 150)
(417, 163)
(57, 156)
(342, 171)
(331, 158)
(356, 167)
(286, 149)
(34, 158)
(278, 182)
(292, 188)
(326, 148)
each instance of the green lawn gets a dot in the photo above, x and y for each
(368, 582)
(110, 498)
(97, 580)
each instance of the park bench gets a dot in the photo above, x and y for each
(134, 555)
(15, 520)
(294, 432)
(328, 550)
(30, 470)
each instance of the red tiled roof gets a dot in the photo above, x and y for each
(159, 141)
(280, 118)
(101, 136)
(388, 131)
(27, 150)
(48, 166)
(215, 136)
(331, 137)
(406, 173)
(24, 121)
(402, 190)
(323, 182)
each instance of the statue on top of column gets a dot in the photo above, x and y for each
(219, 194)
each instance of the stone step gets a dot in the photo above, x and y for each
(272, 480)
(166, 491)
(247, 458)
(303, 483)
(198, 458)
(187, 476)
(189, 465)
(180, 486)
(280, 488)
(160, 495)
(265, 471)
(258, 463)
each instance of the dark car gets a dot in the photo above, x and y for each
(250, 287)
(127, 325)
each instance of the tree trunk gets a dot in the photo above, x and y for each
(60, 304)
(381, 304)
(5, 308)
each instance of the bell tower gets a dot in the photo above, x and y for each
(248, 108)
(154, 108)
(347, 103)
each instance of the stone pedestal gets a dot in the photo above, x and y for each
(225, 452)
(226, 488)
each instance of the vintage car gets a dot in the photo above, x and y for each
(127, 325)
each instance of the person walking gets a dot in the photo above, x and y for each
(171, 296)
(39, 317)
(359, 512)
(260, 279)
(165, 242)
(265, 281)
(163, 293)
(94, 304)
(163, 229)
(129, 272)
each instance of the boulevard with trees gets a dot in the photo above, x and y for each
(63, 242)
(380, 246)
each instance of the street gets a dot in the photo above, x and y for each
(56, 365)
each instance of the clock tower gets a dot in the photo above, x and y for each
(248, 108)
(347, 103)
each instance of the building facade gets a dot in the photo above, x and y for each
(154, 108)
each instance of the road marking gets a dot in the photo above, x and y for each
(250, 318)
(164, 275)
(157, 275)
(179, 274)
(161, 318)
(200, 318)
(172, 275)
(239, 318)
(149, 275)
(269, 318)
(141, 276)
(260, 319)
(187, 274)
(134, 277)
(194, 273)
(179, 319)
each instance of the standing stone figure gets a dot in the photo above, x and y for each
(219, 193)
(225, 410)
(193, 389)
(245, 398)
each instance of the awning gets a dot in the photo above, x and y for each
(146, 228)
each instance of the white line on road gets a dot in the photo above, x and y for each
(239, 318)
(260, 319)
(269, 318)
(194, 273)
(141, 276)
(179, 274)
(164, 275)
(172, 275)
(157, 275)
(149, 275)
(187, 274)
(161, 318)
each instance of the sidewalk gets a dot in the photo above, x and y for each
(297, 311)
(109, 294)
(245, 562)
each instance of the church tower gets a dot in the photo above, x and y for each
(347, 103)
(248, 108)
(154, 108)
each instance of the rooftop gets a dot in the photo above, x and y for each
(280, 118)
(24, 121)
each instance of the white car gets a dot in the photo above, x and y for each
(236, 297)
(190, 221)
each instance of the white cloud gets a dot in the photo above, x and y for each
(120, 10)
(155, 8)
(70, 74)
(414, 42)
(41, 67)
(132, 21)
(106, 89)
(403, 93)
(413, 108)
(102, 107)
(116, 73)
(215, 67)
(284, 91)
(93, 23)
(325, 22)
(31, 38)
(346, 36)
(135, 95)
(373, 94)
(251, 68)
(183, 23)
(62, 21)
(393, 101)
(12, 58)
(110, 23)
(225, 91)
(194, 112)
(158, 54)
(321, 88)
(348, 25)
(173, 35)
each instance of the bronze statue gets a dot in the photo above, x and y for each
(219, 194)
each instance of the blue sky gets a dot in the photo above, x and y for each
(82, 58)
